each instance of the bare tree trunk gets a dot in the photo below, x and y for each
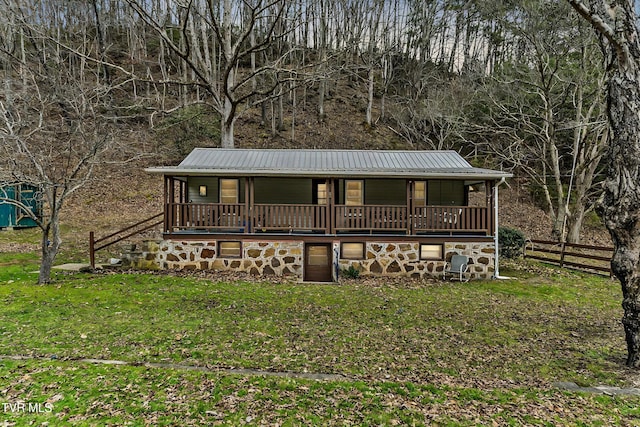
(51, 242)
(588, 150)
(615, 23)
(274, 127)
(321, 95)
(561, 206)
(323, 41)
(280, 114)
(100, 38)
(228, 112)
(226, 133)
(369, 114)
(263, 113)
(293, 112)
(621, 206)
(575, 225)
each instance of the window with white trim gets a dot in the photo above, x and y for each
(430, 251)
(229, 249)
(420, 193)
(352, 250)
(354, 192)
(229, 190)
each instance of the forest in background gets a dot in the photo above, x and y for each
(512, 85)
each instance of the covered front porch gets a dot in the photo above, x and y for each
(331, 206)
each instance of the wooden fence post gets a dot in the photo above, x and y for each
(92, 252)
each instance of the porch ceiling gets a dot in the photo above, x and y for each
(327, 163)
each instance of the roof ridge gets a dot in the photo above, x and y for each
(315, 150)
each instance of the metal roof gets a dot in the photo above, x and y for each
(327, 163)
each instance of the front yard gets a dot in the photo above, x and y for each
(407, 352)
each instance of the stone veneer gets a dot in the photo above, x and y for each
(403, 259)
(282, 258)
(260, 258)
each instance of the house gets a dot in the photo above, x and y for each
(314, 213)
(12, 216)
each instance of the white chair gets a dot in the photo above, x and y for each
(458, 266)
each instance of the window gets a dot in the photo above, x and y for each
(229, 249)
(352, 251)
(446, 193)
(429, 251)
(228, 191)
(322, 193)
(202, 191)
(420, 193)
(318, 255)
(354, 193)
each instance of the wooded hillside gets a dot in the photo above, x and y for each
(511, 85)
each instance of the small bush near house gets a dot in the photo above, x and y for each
(511, 242)
(351, 272)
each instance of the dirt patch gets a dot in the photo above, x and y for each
(21, 248)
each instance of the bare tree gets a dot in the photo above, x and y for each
(52, 134)
(322, 46)
(428, 105)
(543, 110)
(615, 22)
(590, 137)
(234, 38)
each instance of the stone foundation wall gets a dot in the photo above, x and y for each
(403, 259)
(142, 256)
(284, 258)
(259, 258)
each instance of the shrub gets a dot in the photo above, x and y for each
(351, 273)
(511, 242)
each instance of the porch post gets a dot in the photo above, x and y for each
(165, 205)
(184, 209)
(169, 202)
(183, 193)
(410, 186)
(488, 186)
(331, 184)
(496, 272)
(248, 200)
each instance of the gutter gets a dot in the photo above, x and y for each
(496, 268)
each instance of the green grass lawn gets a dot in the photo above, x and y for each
(472, 353)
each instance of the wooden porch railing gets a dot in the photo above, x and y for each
(206, 216)
(289, 217)
(371, 217)
(450, 218)
(213, 217)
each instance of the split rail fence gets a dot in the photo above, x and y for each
(592, 259)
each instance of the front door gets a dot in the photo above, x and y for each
(317, 262)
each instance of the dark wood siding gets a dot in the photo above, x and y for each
(385, 192)
(445, 193)
(194, 184)
(283, 190)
